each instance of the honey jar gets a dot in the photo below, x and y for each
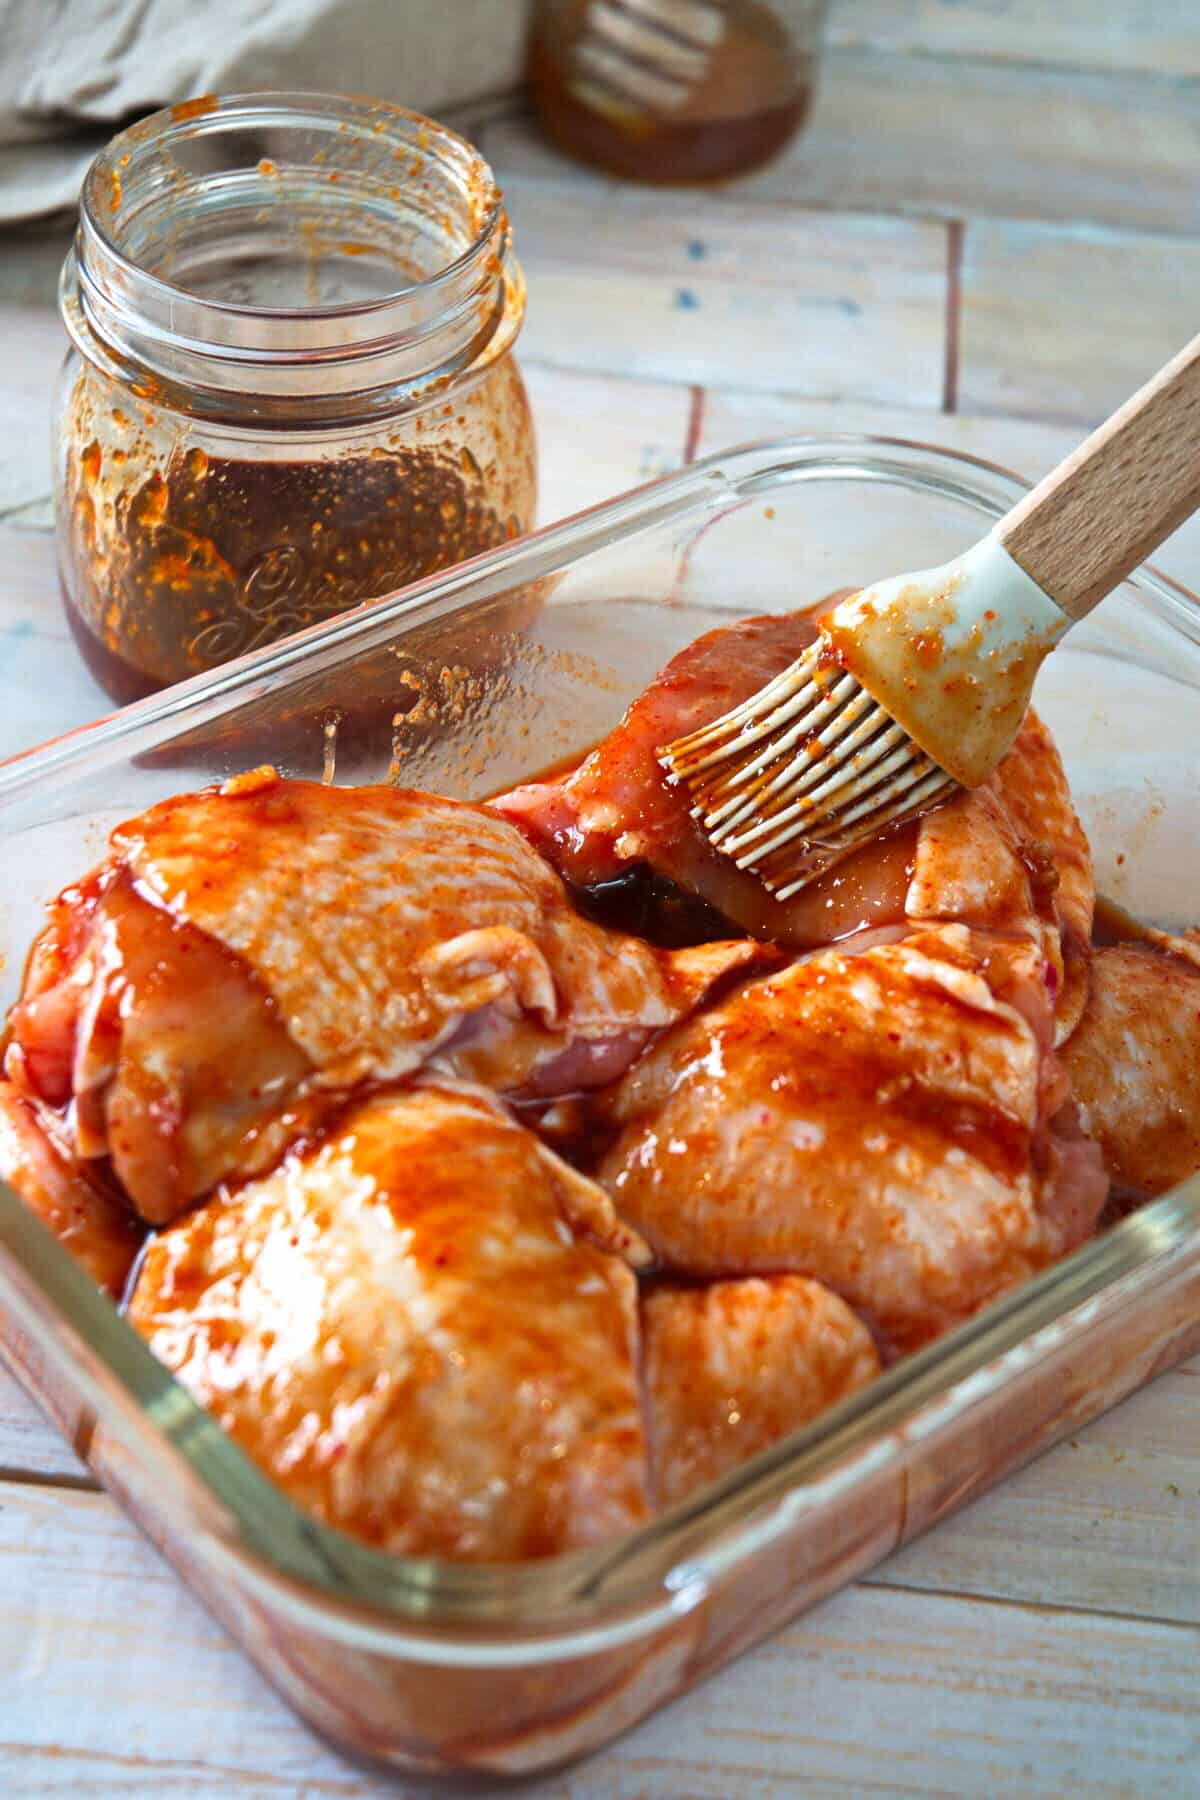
(292, 386)
(674, 91)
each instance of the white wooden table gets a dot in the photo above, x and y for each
(990, 233)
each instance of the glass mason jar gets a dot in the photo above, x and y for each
(292, 387)
(675, 90)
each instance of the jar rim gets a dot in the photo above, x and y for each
(195, 197)
(194, 118)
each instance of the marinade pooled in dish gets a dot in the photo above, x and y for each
(511, 1170)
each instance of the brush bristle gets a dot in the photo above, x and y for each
(799, 775)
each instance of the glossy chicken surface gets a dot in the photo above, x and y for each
(83, 1210)
(1134, 1064)
(382, 921)
(423, 1328)
(1008, 856)
(250, 952)
(617, 810)
(873, 1120)
(1011, 857)
(489, 1229)
(174, 1058)
(733, 1366)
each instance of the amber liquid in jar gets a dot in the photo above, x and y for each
(754, 96)
(175, 564)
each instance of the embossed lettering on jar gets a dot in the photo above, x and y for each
(292, 387)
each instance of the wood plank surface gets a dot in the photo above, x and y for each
(1150, 35)
(1065, 324)
(114, 1681)
(32, 346)
(598, 435)
(962, 138)
(44, 687)
(996, 208)
(959, 137)
(1107, 1521)
(29, 1444)
(710, 290)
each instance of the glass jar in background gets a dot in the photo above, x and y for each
(674, 90)
(292, 387)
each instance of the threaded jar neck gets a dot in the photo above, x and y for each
(298, 259)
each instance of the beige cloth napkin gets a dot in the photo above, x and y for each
(72, 71)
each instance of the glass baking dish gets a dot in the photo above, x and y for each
(464, 683)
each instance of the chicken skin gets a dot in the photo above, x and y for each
(877, 1121)
(250, 953)
(173, 1057)
(331, 1042)
(1134, 1063)
(426, 1331)
(1011, 857)
(77, 1204)
(422, 1329)
(732, 1367)
(617, 810)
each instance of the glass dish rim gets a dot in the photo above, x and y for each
(206, 696)
(584, 1600)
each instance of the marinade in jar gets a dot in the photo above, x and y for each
(176, 562)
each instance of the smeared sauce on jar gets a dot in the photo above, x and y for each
(172, 570)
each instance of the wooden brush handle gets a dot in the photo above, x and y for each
(1115, 499)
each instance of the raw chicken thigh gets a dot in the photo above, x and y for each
(171, 1056)
(1011, 857)
(617, 812)
(423, 1328)
(874, 1120)
(1134, 1063)
(732, 1367)
(426, 1330)
(80, 1207)
(323, 1038)
(252, 952)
